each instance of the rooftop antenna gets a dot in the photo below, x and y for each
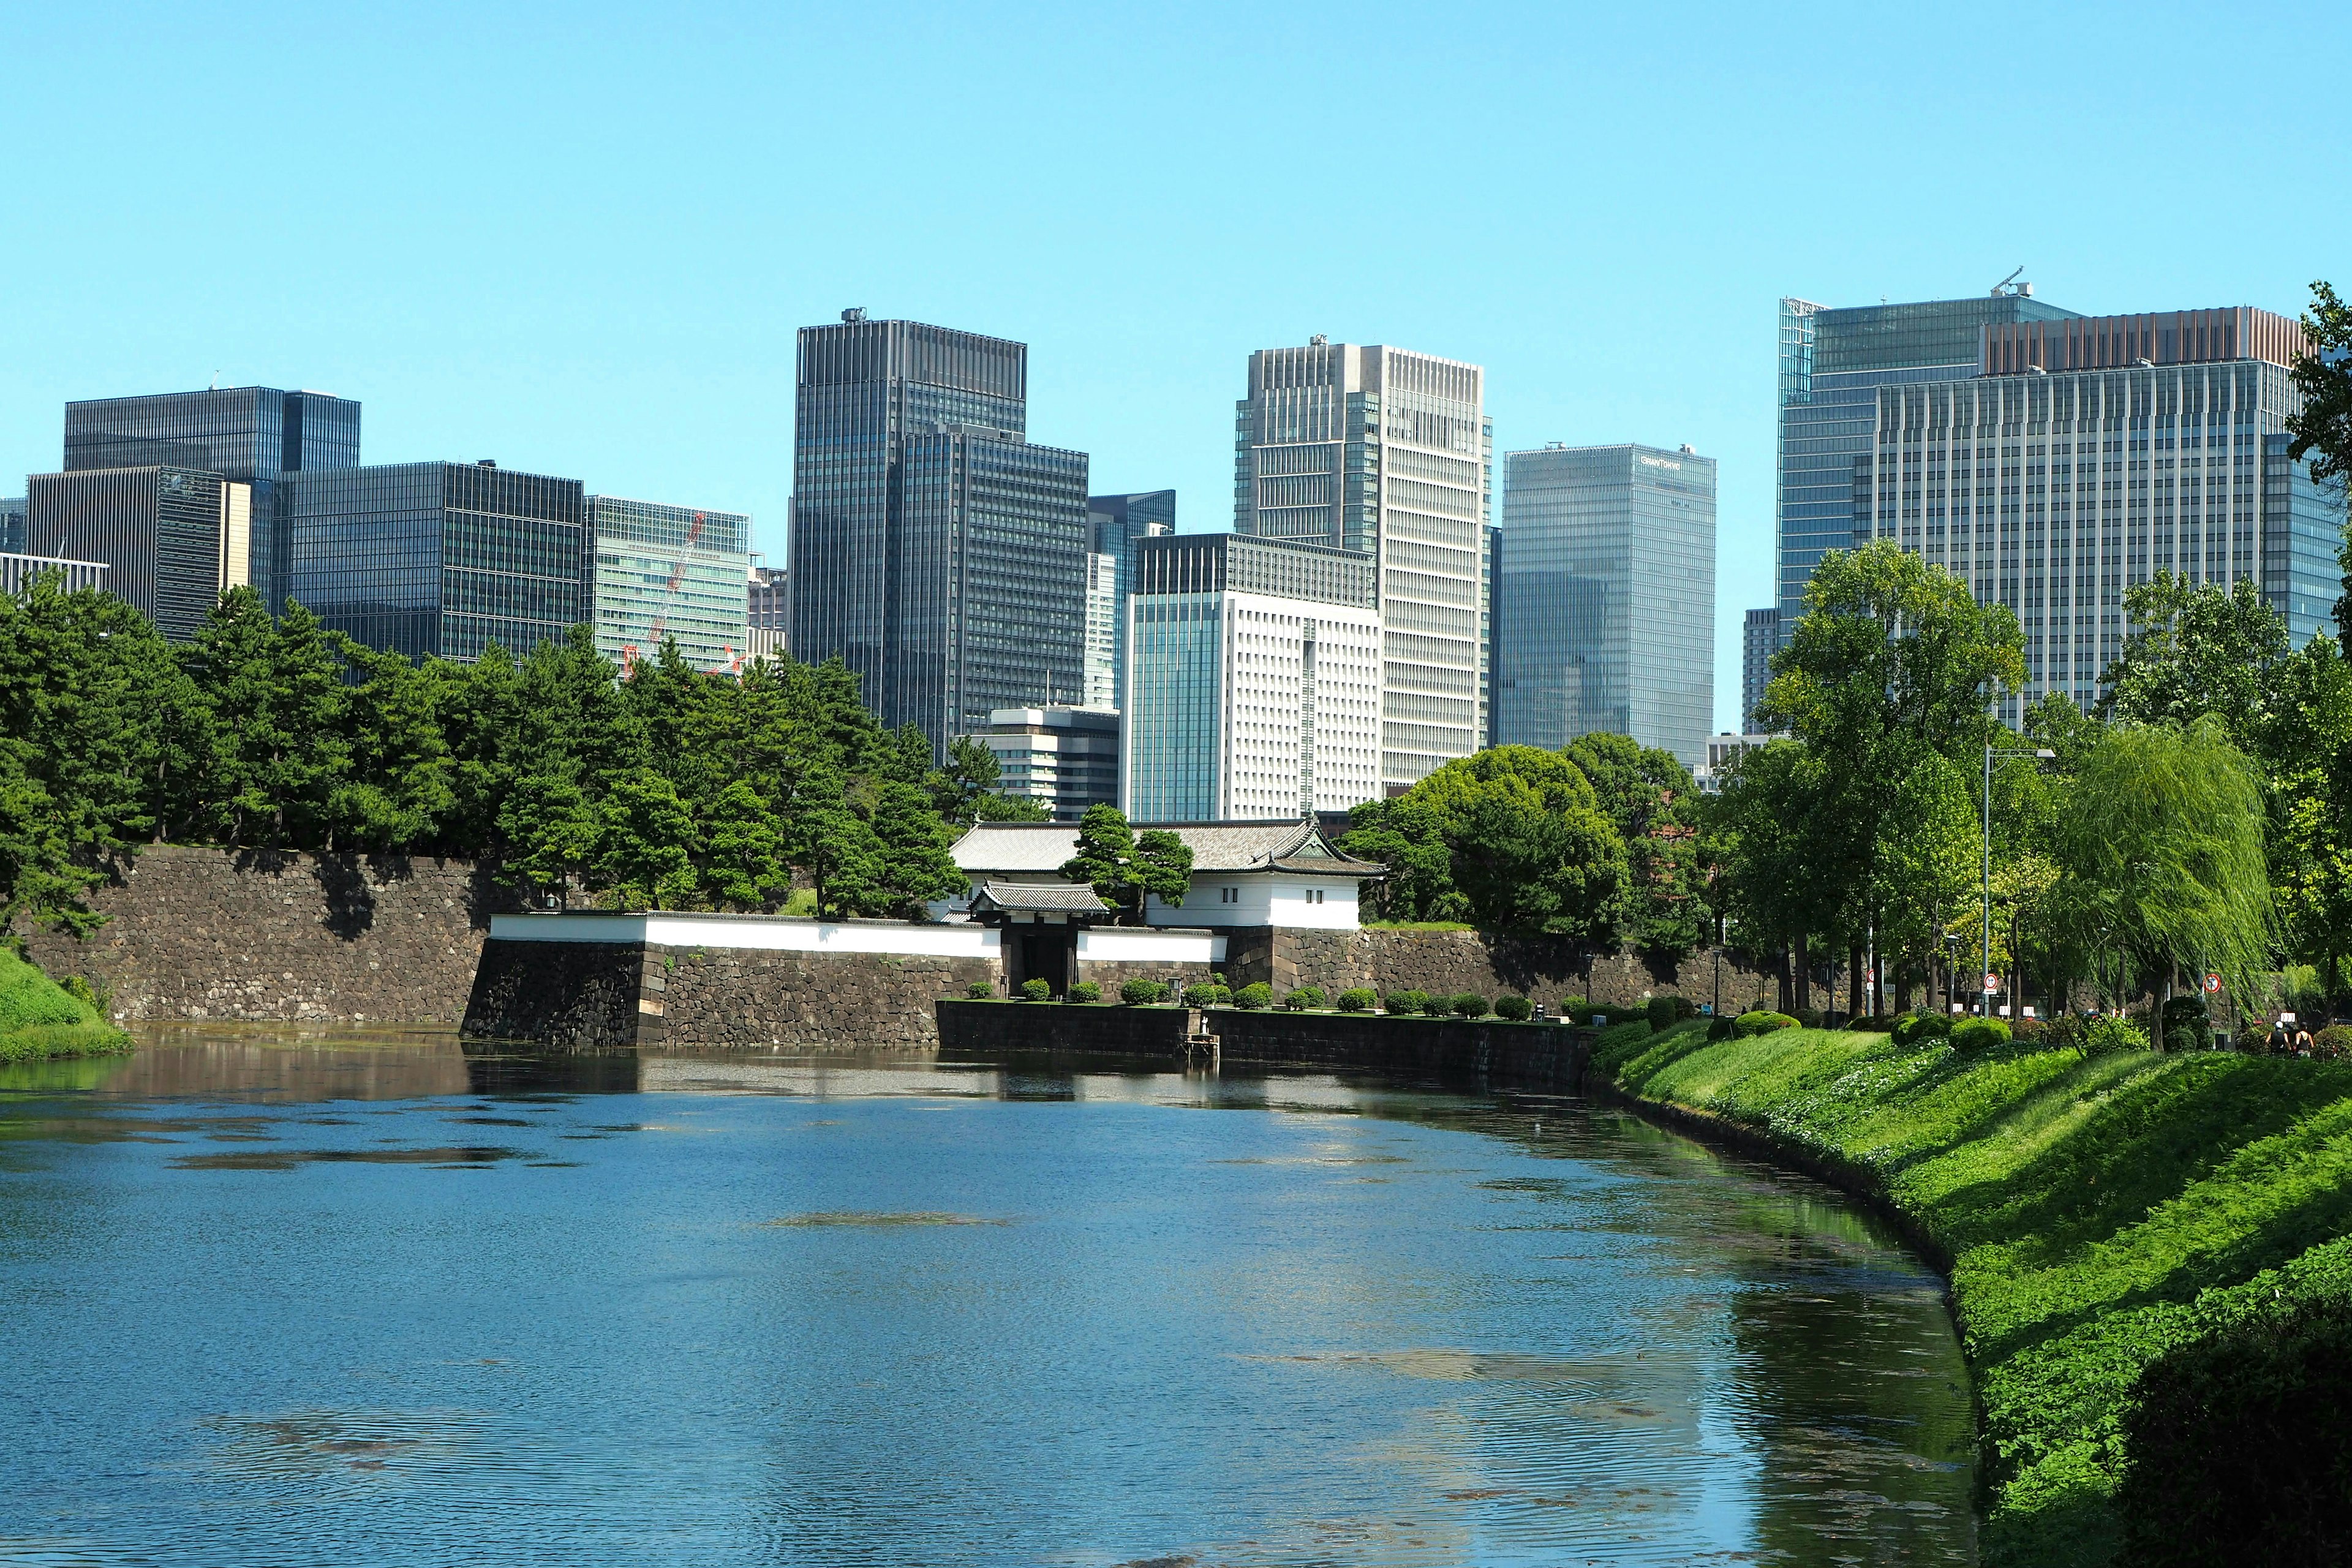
(215, 385)
(2011, 287)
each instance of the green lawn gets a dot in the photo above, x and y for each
(39, 1018)
(2095, 1213)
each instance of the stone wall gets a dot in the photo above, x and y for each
(1544, 969)
(217, 934)
(988, 1026)
(1113, 974)
(1485, 1051)
(586, 995)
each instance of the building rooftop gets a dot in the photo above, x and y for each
(1217, 846)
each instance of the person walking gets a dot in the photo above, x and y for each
(2302, 1040)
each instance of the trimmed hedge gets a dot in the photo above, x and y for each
(1358, 999)
(1979, 1035)
(1209, 993)
(1084, 991)
(1762, 1023)
(1470, 1005)
(1517, 1009)
(1404, 1002)
(1254, 995)
(1306, 999)
(1143, 992)
(1036, 991)
(979, 991)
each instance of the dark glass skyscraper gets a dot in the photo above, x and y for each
(158, 531)
(934, 550)
(12, 525)
(1115, 523)
(246, 434)
(440, 558)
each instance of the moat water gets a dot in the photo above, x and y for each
(287, 1299)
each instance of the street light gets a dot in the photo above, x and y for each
(2040, 754)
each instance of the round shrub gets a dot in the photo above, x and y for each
(1914, 1028)
(1980, 1035)
(1358, 999)
(2032, 1030)
(1035, 991)
(1209, 993)
(1437, 1004)
(1142, 993)
(979, 991)
(2108, 1034)
(1470, 1005)
(1760, 1023)
(1517, 1009)
(1084, 991)
(1254, 995)
(1306, 999)
(1719, 1029)
(1661, 1013)
(1404, 1002)
(2333, 1042)
(1874, 1023)
(1806, 1018)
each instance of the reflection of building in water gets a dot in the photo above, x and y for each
(275, 1062)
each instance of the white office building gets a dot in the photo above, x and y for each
(1386, 454)
(1253, 680)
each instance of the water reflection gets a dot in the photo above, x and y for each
(850, 1311)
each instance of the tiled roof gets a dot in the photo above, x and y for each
(1217, 847)
(1058, 897)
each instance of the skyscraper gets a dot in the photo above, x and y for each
(1254, 680)
(1759, 640)
(1833, 362)
(1065, 759)
(247, 434)
(12, 525)
(936, 551)
(1384, 453)
(768, 612)
(158, 529)
(1115, 523)
(443, 559)
(2079, 456)
(670, 572)
(1608, 592)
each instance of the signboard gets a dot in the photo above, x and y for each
(2212, 983)
(1992, 983)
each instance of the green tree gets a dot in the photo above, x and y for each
(277, 694)
(837, 847)
(400, 785)
(1408, 836)
(1162, 868)
(644, 850)
(2310, 744)
(916, 865)
(1928, 864)
(2161, 848)
(743, 867)
(2196, 649)
(1650, 799)
(2321, 430)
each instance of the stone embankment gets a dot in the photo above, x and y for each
(196, 932)
(1541, 968)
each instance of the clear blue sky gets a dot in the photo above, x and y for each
(578, 238)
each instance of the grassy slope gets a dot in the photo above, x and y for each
(37, 1018)
(2097, 1212)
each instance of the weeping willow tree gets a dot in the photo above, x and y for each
(2160, 844)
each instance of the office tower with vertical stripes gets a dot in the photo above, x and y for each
(1388, 454)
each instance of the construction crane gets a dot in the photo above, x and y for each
(2010, 286)
(629, 655)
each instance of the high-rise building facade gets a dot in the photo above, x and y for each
(18, 572)
(440, 559)
(2080, 457)
(1384, 453)
(12, 525)
(768, 612)
(934, 550)
(247, 434)
(669, 573)
(1254, 680)
(1114, 524)
(1759, 639)
(163, 534)
(1833, 362)
(1065, 759)
(1607, 590)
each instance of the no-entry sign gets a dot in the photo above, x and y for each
(2212, 985)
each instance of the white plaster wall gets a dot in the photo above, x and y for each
(1114, 944)
(1262, 899)
(749, 931)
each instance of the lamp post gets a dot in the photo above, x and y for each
(1985, 954)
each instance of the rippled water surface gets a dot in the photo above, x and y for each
(289, 1301)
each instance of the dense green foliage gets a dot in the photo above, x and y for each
(2097, 1210)
(1358, 999)
(40, 1018)
(1124, 866)
(664, 787)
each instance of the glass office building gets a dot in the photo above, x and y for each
(1254, 680)
(2081, 456)
(1608, 593)
(157, 530)
(1388, 454)
(1833, 362)
(250, 434)
(934, 550)
(440, 559)
(12, 525)
(1115, 523)
(1065, 759)
(671, 572)
(1759, 640)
